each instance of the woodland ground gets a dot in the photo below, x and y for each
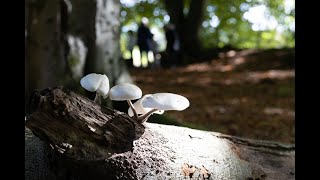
(247, 93)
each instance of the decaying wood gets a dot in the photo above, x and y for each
(82, 140)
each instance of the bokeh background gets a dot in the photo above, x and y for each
(234, 60)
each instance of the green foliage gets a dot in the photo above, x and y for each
(223, 22)
(153, 10)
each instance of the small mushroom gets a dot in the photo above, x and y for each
(162, 102)
(140, 109)
(126, 92)
(98, 83)
(167, 101)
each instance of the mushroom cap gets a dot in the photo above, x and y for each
(96, 82)
(166, 101)
(104, 86)
(140, 109)
(125, 91)
(91, 82)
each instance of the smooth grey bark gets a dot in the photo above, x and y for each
(82, 140)
(97, 23)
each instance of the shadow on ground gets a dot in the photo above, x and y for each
(248, 93)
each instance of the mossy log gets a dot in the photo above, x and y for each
(68, 136)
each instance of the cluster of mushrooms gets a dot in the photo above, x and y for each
(141, 109)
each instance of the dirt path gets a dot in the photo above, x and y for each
(247, 93)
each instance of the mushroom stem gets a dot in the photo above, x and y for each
(97, 99)
(133, 109)
(143, 118)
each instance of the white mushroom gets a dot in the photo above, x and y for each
(126, 92)
(163, 102)
(140, 109)
(98, 83)
(166, 101)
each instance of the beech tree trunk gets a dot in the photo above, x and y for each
(97, 23)
(78, 139)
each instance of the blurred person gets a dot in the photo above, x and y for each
(132, 41)
(145, 37)
(153, 54)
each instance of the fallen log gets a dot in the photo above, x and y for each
(68, 136)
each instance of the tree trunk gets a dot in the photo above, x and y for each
(82, 140)
(187, 26)
(44, 56)
(83, 24)
(97, 22)
(192, 25)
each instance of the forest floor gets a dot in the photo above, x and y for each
(247, 93)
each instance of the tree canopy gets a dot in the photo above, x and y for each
(240, 24)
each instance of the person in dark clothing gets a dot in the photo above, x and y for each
(144, 37)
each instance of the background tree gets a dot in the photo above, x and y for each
(49, 25)
(207, 27)
(187, 22)
(44, 56)
(97, 24)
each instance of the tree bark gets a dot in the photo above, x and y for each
(82, 140)
(193, 23)
(83, 24)
(97, 23)
(44, 57)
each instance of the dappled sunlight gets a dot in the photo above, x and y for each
(199, 81)
(150, 57)
(141, 60)
(205, 67)
(232, 61)
(271, 74)
(136, 57)
(228, 62)
(197, 67)
(226, 68)
(239, 60)
(144, 59)
(278, 111)
(273, 111)
(231, 53)
(203, 81)
(228, 99)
